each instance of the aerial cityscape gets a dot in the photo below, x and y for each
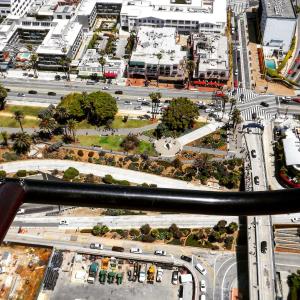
(150, 149)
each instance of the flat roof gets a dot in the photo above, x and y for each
(152, 41)
(291, 146)
(279, 9)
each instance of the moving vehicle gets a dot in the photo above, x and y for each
(175, 277)
(203, 286)
(160, 252)
(186, 258)
(256, 180)
(32, 92)
(200, 269)
(263, 247)
(136, 250)
(297, 100)
(209, 110)
(219, 94)
(96, 246)
(93, 272)
(21, 95)
(127, 102)
(145, 103)
(105, 88)
(63, 222)
(236, 84)
(117, 249)
(20, 211)
(138, 107)
(253, 153)
(236, 72)
(151, 273)
(119, 92)
(51, 94)
(57, 77)
(295, 220)
(264, 104)
(159, 274)
(90, 82)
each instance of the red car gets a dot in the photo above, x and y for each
(236, 84)
(220, 94)
(296, 100)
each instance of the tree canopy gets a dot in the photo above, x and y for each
(180, 115)
(72, 103)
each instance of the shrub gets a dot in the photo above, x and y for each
(153, 185)
(90, 160)
(101, 153)
(177, 234)
(80, 153)
(144, 184)
(10, 156)
(155, 233)
(173, 228)
(228, 242)
(70, 173)
(123, 182)
(130, 142)
(215, 247)
(148, 238)
(100, 230)
(145, 229)
(21, 173)
(91, 154)
(108, 179)
(2, 174)
(86, 231)
(134, 232)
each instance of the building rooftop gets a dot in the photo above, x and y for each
(279, 9)
(151, 41)
(291, 145)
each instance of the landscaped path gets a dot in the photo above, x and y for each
(101, 171)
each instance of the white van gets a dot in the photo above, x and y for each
(201, 269)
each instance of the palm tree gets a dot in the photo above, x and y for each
(47, 124)
(61, 115)
(190, 66)
(19, 117)
(3, 95)
(4, 136)
(159, 57)
(155, 99)
(71, 125)
(236, 118)
(102, 62)
(33, 60)
(232, 102)
(22, 143)
(201, 163)
(225, 99)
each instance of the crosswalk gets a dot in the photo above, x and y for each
(248, 95)
(261, 113)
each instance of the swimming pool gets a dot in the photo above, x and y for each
(270, 63)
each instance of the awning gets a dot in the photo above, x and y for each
(110, 75)
(136, 63)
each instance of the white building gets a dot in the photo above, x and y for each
(15, 7)
(210, 52)
(193, 16)
(278, 25)
(151, 42)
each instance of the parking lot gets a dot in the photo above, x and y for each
(75, 271)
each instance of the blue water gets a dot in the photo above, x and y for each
(270, 63)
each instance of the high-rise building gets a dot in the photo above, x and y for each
(16, 8)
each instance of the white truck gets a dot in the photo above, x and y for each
(159, 274)
(142, 274)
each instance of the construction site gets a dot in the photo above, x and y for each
(22, 269)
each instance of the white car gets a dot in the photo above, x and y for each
(105, 88)
(20, 211)
(63, 222)
(203, 286)
(96, 246)
(159, 274)
(136, 250)
(160, 252)
(209, 110)
(127, 102)
(201, 269)
(175, 277)
(140, 99)
(295, 220)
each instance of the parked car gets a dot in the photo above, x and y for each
(263, 247)
(200, 269)
(51, 93)
(203, 286)
(186, 258)
(20, 211)
(136, 250)
(63, 222)
(119, 92)
(175, 277)
(160, 252)
(32, 92)
(145, 103)
(209, 110)
(202, 297)
(256, 180)
(21, 95)
(253, 153)
(96, 246)
(264, 104)
(117, 249)
(147, 117)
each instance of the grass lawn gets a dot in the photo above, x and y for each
(10, 122)
(27, 110)
(113, 142)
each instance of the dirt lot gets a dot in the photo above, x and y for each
(24, 271)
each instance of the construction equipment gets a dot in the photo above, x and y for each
(102, 276)
(159, 274)
(111, 277)
(104, 262)
(150, 273)
(93, 272)
(119, 278)
(142, 273)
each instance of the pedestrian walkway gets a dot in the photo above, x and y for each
(243, 95)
